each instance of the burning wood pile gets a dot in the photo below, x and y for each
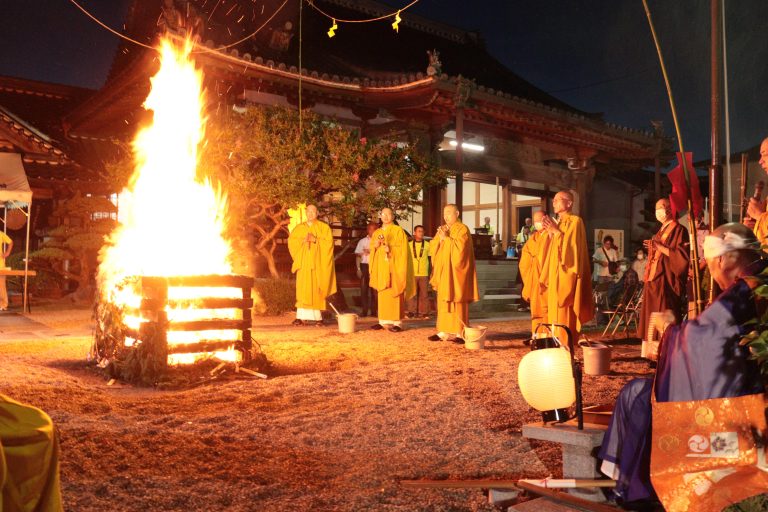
(167, 292)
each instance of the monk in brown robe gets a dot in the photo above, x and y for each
(531, 265)
(567, 272)
(756, 210)
(667, 269)
(453, 276)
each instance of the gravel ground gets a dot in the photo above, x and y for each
(340, 421)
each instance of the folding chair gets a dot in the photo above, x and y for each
(619, 311)
(626, 311)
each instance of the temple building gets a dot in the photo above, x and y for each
(509, 145)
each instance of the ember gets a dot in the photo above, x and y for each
(155, 273)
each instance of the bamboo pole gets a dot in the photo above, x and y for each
(691, 220)
(547, 483)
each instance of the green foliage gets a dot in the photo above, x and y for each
(269, 164)
(274, 296)
(757, 339)
(78, 237)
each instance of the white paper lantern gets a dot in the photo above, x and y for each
(546, 380)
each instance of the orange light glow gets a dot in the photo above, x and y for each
(172, 220)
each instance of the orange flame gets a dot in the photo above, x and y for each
(172, 223)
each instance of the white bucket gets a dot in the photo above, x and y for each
(347, 322)
(597, 358)
(474, 337)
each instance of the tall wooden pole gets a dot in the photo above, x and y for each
(715, 168)
(684, 164)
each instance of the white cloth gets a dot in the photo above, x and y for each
(363, 248)
(602, 271)
(390, 322)
(314, 315)
(715, 246)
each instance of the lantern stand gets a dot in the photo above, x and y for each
(561, 415)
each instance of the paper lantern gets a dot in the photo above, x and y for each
(546, 380)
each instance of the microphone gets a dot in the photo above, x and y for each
(758, 190)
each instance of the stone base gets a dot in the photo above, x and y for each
(578, 446)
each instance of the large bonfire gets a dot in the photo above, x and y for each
(171, 219)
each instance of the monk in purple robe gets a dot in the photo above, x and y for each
(699, 359)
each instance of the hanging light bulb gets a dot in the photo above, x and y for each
(332, 30)
(396, 24)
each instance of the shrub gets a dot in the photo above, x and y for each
(274, 296)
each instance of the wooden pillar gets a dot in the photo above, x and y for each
(460, 158)
(462, 94)
(432, 214)
(507, 219)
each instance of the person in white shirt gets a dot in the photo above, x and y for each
(368, 297)
(604, 255)
(638, 265)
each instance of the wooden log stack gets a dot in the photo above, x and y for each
(156, 325)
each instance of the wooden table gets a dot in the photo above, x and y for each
(20, 273)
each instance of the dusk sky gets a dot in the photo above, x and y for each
(597, 55)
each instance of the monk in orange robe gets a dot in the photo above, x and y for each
(453, 276)
(567, 272)
(29, 459)
(391, 267)
(531, 267)
(756, 210)
(311, 247)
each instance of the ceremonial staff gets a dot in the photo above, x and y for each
(691, 221)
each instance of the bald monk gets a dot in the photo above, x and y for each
(311, 247)
(667, 270)
(29, 459)
(391, 267)
(756, 209)
(567, 272)
(531, 264)
(453, 276)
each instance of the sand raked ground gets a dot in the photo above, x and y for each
(340, 421)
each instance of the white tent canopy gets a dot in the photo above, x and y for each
(14, 187)
(15, 193)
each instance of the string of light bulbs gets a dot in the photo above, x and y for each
(202, 50)
(335, 21)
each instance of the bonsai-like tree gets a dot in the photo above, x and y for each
(70, 248)
(269, 162)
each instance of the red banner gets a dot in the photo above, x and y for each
(679, 196)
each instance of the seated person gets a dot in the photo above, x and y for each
(700, 359)
(29, 459)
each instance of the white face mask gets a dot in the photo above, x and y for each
(623, 268)
(538, 225)
(641, 256)
(661, 215)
